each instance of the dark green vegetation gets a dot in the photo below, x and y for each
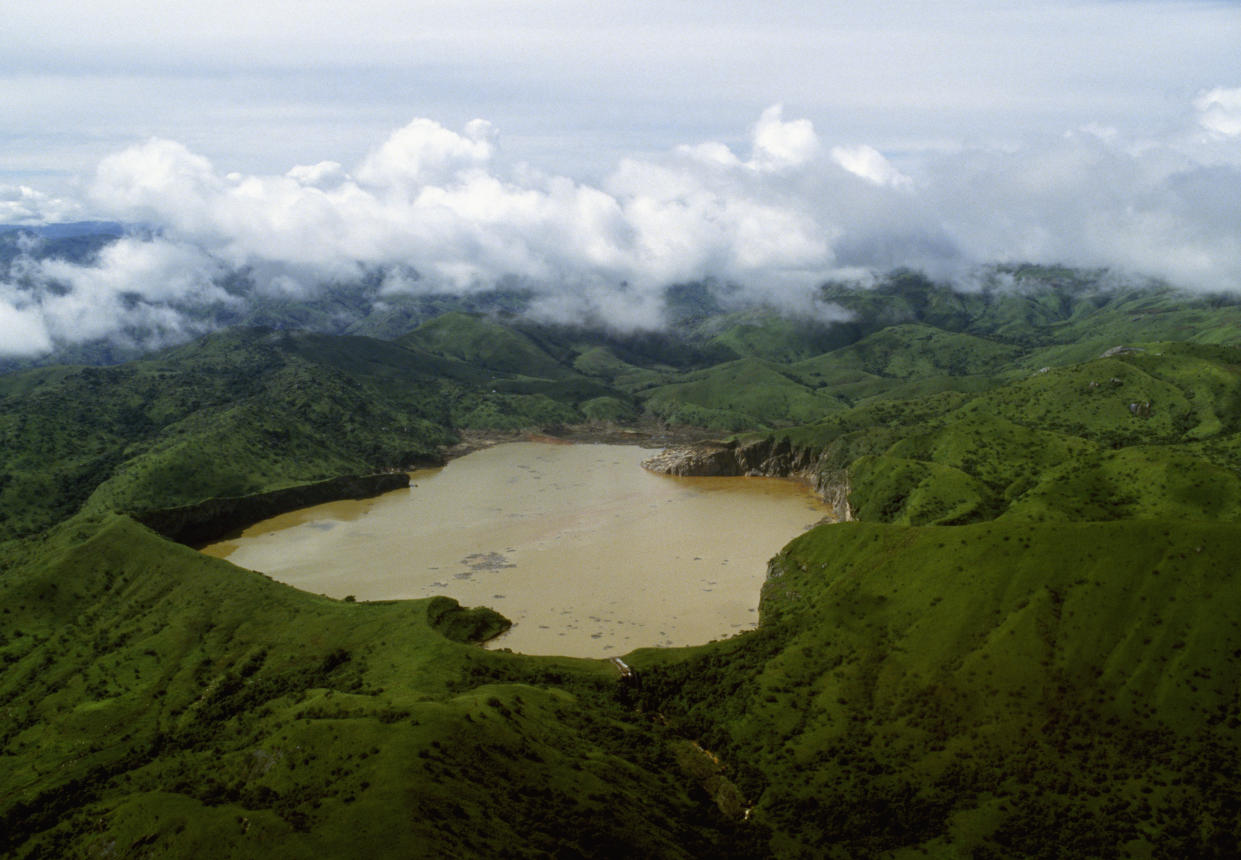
(987, 690)
(1026, 645)
(237, 413)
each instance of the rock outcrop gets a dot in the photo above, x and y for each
(833, 487)
(210, 520)
(705, 460)
(777, 458)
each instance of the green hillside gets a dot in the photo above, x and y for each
(990, 690)
(236, 413)
(772, 337)
(247, 411)
(483, 343)
(738, 395)
(914, 350)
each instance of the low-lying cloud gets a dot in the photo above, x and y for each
(21, 204)
(436, 210)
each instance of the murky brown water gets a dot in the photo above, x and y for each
(589, 554)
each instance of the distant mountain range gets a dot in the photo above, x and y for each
(70, 230)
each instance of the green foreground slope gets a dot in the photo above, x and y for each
(987, 690)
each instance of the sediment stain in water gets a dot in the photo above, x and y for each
(589, 554)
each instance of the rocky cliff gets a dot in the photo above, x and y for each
(212, 519)
(777, 458)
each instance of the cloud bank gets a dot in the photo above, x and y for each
(431, 209)
(21, 204)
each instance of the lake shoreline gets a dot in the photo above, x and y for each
(219, 517)
(585, 551)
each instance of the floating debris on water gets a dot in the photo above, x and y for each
(487, 561)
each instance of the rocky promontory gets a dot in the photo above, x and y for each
(767, 457)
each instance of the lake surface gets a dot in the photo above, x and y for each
(587, 553)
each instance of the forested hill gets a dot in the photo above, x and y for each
(1025, 645)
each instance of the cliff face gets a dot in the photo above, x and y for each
(833, 486)
(212, 519)
(766, 457)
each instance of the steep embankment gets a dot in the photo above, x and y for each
(212, 519)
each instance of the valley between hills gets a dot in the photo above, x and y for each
(1022, 638)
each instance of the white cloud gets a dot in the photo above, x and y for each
(20, 204)
(263, 85)
(1085, 201)
(1220, 111)
(779, 145)
(322, 175)
(711, 153)
(424, 151)
(869, 163)
(22, 328)
(437, 201)
(137, 291)
(158, 271)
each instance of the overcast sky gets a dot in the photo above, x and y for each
(770, 144)
(260, 85)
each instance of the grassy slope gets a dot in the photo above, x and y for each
(910, 338)
(913, 350)
(771, 337)
(234, 413)
(989, 690)
(737, 396)
(1065, 443)
(483, 343)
